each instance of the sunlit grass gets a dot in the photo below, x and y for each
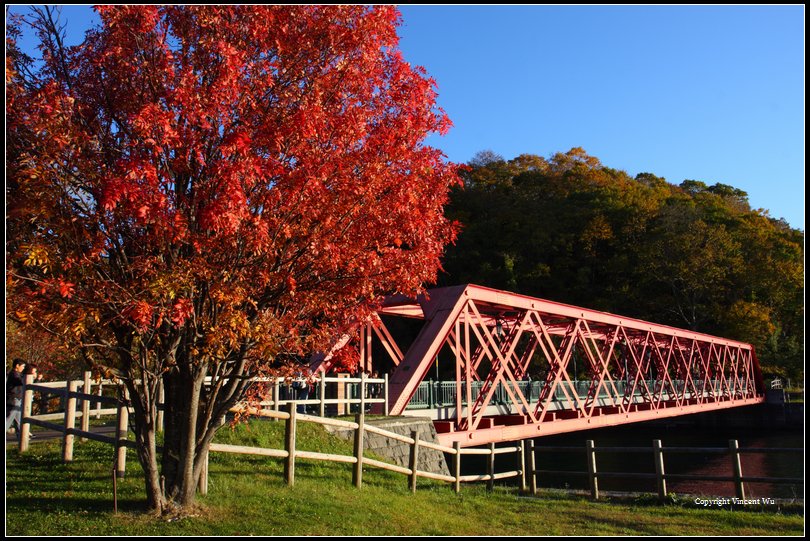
(247, 496)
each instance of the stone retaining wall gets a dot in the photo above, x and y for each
(399, 452)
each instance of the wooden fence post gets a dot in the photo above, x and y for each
(98, 403)
(121, 431)
(289, 445)
(322, 393)
(591, 458)
(160, 406)
(359, 434)
(340, 394)
(491, 467)
(25, 412)
(521, 464)
(658, 455)
(734, 448)
(70, 421)
(86, 389)
(276, 399)
(363, 385)
(414, 462)
(457, 466)
(532, 467)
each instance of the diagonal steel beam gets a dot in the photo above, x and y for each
(441, 310)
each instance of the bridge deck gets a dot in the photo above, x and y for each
(515, 427)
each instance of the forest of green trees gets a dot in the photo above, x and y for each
(572, 230)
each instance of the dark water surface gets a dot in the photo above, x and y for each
(771, 464)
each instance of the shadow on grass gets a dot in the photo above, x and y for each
(74, 504)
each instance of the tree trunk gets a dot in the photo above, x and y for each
(182, 455)
(145, 420)
(192, 415)
(147, 455)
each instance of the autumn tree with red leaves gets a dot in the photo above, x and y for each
(211, 191)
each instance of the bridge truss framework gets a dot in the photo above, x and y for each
(497, 337)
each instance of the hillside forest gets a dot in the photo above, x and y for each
(693, 255)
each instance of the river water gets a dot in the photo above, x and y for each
(771, 464)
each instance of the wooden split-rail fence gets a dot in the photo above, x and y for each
(290, 454)
(82, 399)
(660, 476)
(79, 405)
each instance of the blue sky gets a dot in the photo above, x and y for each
(711, 93)
(685, 92)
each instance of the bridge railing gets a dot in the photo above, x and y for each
(330, 395)
(433, 394)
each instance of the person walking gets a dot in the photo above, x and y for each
(14, 393)
(301, 387)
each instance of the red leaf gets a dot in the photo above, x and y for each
(181, 311)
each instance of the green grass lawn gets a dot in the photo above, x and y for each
(247, 496)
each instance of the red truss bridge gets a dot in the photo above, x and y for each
(636, 370)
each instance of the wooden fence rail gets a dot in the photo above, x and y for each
(660, 476)
(346, 389)
(524, 451)
(72, 396)
(291, 453)
(281, 387)
(77, 405)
